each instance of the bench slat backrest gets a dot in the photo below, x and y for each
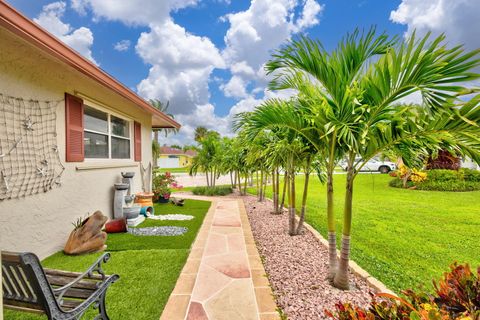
(25, 284)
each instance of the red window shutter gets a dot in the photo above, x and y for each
(137, 138)
(74, 129)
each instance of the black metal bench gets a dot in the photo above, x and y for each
(27, 286)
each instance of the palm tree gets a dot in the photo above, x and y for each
(207, 158)
(163, 107)
(289, 149)
(353, 99)
(200, 133)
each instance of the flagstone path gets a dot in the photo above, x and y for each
(223, 277)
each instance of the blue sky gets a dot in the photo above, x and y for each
(206, 56)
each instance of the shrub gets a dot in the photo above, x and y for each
(456, 296)
(441, 180)
(212, 191)
(458, 185)
(398, 183)
(441, 175)
(471, 175)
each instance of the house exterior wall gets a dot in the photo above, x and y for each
(183, 161)
(41, 223)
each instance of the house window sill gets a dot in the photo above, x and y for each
(105, 165)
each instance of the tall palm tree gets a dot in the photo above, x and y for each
(355, 112)
(207, 158)
(163, 107)
(200, 133)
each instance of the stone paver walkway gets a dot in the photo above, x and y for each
(224, 276)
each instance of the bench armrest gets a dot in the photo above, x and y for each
(95, 267)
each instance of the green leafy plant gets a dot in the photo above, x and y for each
(212, 191)
(457, 296)
(162, 184)
(80, 221)
(459, 291)
(443, 180)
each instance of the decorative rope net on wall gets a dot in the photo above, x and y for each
(29, 159)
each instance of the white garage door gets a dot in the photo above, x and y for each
(169, 163)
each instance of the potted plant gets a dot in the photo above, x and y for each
(161, 186)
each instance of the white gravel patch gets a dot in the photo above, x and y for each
(172, 217)
(158, 231)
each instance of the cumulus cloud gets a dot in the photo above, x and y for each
(181, 63)
(122, 45)
(255, 32)
(309, 17)
(80, 39)
(235, 87)
(133, 12)
(457, 19)
(181, 66)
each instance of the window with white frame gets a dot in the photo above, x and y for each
(106, 136)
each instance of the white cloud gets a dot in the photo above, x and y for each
(255, 32)
(122, 45)
(181, 63)
(310, 14)
(133, 12)
(181, 66)
(80, 39)
(457, 19)
(235, 87)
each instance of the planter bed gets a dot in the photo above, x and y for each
(297, 266)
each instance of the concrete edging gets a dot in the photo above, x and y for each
(372, 282)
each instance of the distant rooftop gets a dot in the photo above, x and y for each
(169, 150)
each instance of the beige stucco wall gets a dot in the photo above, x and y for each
(41, 223)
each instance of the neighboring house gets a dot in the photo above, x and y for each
(67, 131)
(175, 158)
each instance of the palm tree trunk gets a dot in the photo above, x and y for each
(239, 183)
(304, 203)
(245, 184)
(231, 179)
(235, 179)
(265, 186)
(292, 209)
(276, 188)
(206, 174)
(274, 192)
(260, 194)
(257, 183)
(285, 184)
(341, 278)
(332, 237)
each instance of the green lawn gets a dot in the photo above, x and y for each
(148, 266)
(402, 237)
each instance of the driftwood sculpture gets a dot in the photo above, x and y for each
(87, 236)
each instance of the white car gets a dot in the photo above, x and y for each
(373, 165)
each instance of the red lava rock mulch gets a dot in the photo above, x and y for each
(297, 266)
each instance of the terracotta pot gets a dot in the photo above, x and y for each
(144, 199)
(116, 226)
